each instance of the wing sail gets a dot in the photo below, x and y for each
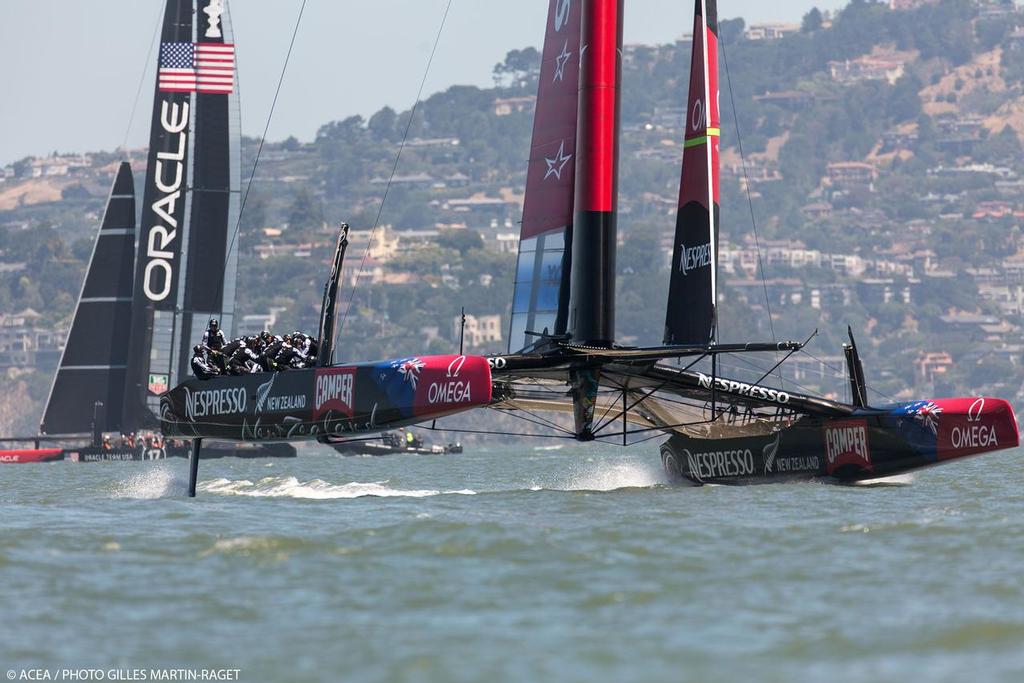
(541, 294)
(693, 289)
(212, 254)
(157, 296)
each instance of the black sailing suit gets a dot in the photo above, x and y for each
(202, 367)
(214, 340)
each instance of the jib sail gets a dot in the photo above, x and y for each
(541, 294)
(93, 365)
(693, 288)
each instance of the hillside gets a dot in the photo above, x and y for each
(881, 161)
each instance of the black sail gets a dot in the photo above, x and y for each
(690, 317)
(93, 365)
(158, 259)
(211, 252)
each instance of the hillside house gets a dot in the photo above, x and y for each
(506, 106)
(771, 31)
(867, 68)
(480, 330)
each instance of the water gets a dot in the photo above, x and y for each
(513, 564)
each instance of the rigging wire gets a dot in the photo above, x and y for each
(394, 168)
(844, 374)
(142, 78)
(750, 200)
(259, 150)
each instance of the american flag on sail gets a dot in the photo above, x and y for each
(196, 67)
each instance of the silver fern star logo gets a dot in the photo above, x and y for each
(557, 165)
(560, 62)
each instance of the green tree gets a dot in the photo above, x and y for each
(306, 212)
(812, 21)
(382, 125)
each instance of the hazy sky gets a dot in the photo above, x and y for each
(77, 63)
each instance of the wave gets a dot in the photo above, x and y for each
(316, 489)
(905, 479)
(598, 476)
(156, 482)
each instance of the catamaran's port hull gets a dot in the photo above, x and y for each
(869, 444)
(328, 402)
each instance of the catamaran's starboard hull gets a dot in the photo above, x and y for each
(869, 444)
(328, 402)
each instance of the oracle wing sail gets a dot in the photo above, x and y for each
(93, 364)
(212, 254)
(693, 288)
(185, 266)
(541, 299)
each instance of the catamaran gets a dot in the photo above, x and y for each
(151, 287)
(720, 429)
(564, 371)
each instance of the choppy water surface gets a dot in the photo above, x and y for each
(511, 564)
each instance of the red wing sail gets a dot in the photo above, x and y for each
(693, 290)
(541, 299)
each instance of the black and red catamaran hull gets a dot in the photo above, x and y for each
(327, 402)
(868, 444)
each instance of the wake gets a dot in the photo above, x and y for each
(316, 489)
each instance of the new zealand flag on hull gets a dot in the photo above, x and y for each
(399, 379)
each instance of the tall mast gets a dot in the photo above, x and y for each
(592, 291)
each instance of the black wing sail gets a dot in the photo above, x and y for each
(158, 262)
(93, 364)
(693, 289)
(212, 254)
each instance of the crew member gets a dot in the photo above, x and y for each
(243, 361)
(202, 366)
(214, 338)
